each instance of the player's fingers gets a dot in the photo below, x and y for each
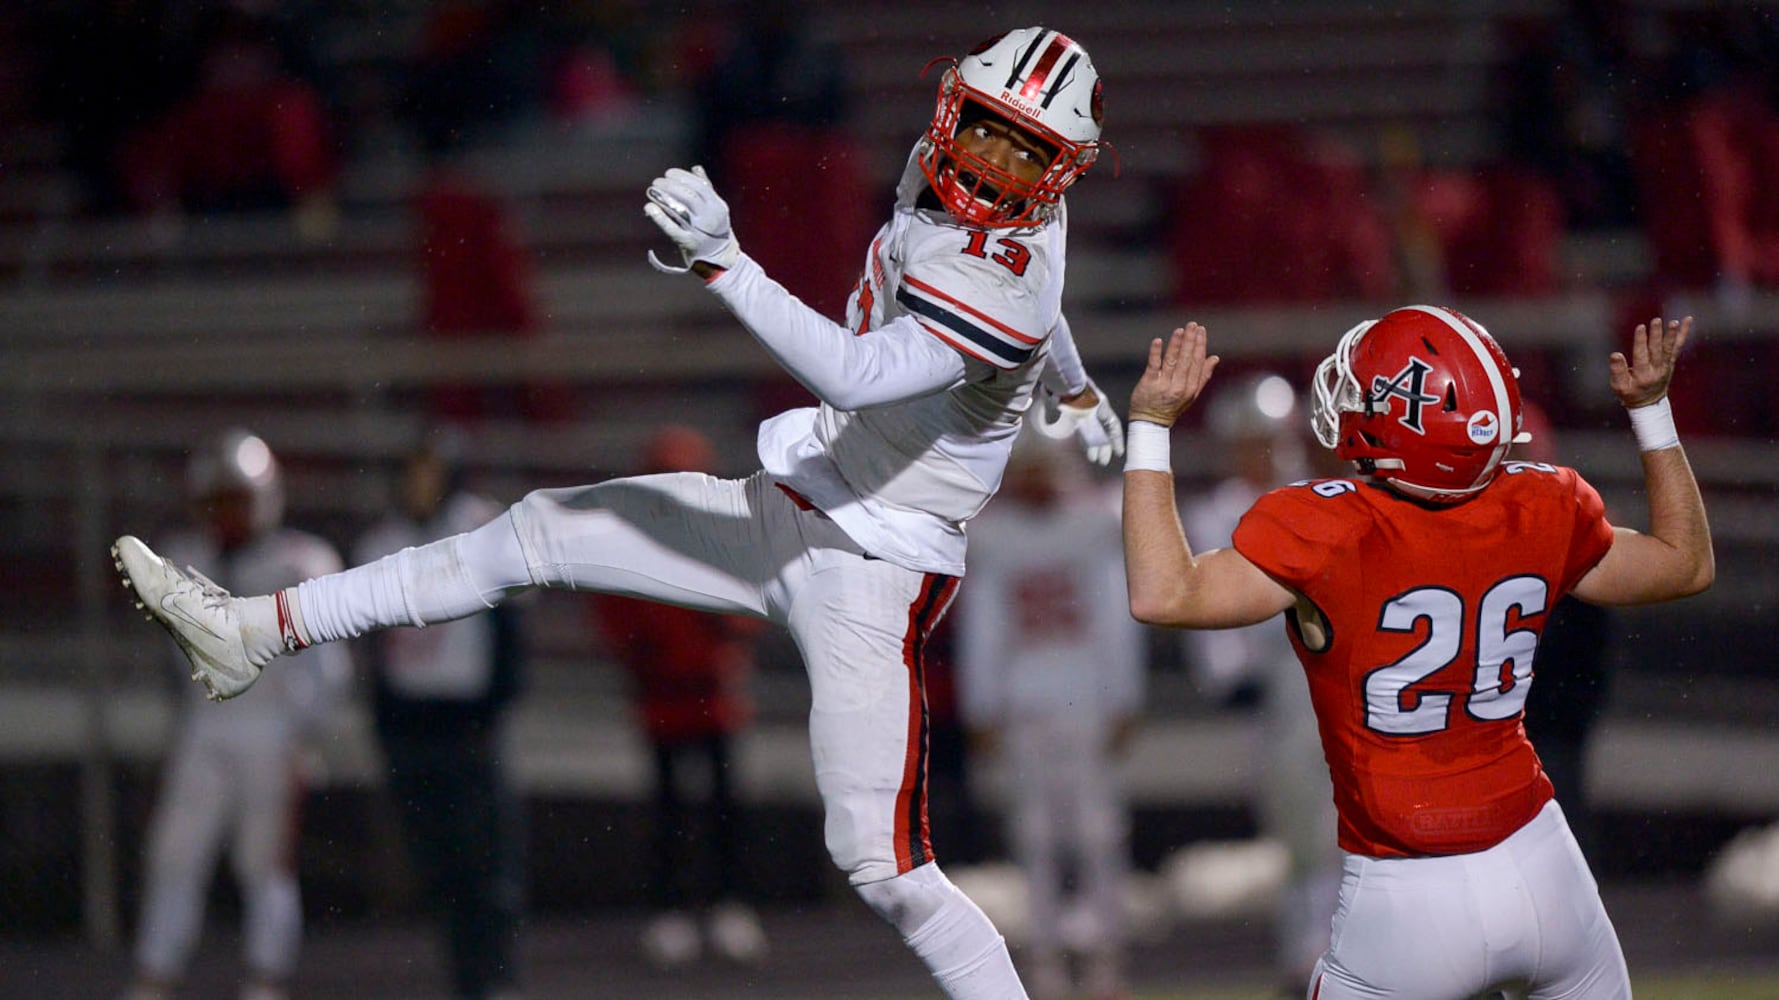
(1176, 345)
(1210, 366)
(1640, 342)
(668, 222)
(1681, 332)
(665, 199)
(679, 185)
(1195, 352)
(1155, 354)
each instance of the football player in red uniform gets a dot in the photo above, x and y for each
(1414, 594)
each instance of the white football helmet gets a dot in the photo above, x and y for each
(1043, 83)
(239, 461)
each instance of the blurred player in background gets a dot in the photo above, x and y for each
(234, 776)
(1257, 427)
(1051, 671)
(440, 700)
(1416, 592)
(689, 673)
(852, 533)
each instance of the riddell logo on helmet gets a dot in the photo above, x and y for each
(1012, 100)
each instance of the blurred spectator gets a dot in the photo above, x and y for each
(773, 112)
(441, 700)
(250, 135)
(1051, 670)
(478, 281)
(689, 673)
(1257, 427)
(1276, 214)
(234, 775)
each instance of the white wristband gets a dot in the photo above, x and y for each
(1148, 448)
(1654, 426)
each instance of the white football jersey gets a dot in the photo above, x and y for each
(1044, 623)
(902, 479)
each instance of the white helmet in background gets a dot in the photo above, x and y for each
(1258, 422)
(1043, 83)
(1259, 405)
(239, 461)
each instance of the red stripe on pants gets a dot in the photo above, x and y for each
(913, 840)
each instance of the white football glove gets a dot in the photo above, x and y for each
(694, 217)
(1100, 430)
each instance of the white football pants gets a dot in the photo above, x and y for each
(745, 546)
(1523, 916)
(241, 783)
(1068, 806)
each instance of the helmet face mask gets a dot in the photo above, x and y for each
(1423, 399)
(1039, 82)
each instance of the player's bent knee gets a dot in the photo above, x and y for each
(907, 901)
(849, 832)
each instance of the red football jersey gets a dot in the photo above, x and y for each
(1434, 615)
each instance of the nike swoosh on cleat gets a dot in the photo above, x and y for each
(180, 613)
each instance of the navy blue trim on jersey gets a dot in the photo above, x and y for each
(997, 349)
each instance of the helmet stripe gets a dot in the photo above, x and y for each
(1503, 405)
(1019, 65)
(1062, 77)
(1034, 84)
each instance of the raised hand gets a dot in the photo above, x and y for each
(1174, 378)
(1643, 378)
(685, 207)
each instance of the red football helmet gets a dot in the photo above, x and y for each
(1423, 398)
(1042, 82)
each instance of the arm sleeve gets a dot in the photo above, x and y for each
(1064, 373)
(897, 362)
(1592, 534)
(1291, 538)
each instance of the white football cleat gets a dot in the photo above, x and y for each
(201, 617)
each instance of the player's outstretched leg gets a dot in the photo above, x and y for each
(950, 934)
(206, 621)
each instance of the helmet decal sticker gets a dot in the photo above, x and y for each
(1483, 426)
(1406, 385)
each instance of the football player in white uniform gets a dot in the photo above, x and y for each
(1051, 674)
(233, 775)
(852, 533)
